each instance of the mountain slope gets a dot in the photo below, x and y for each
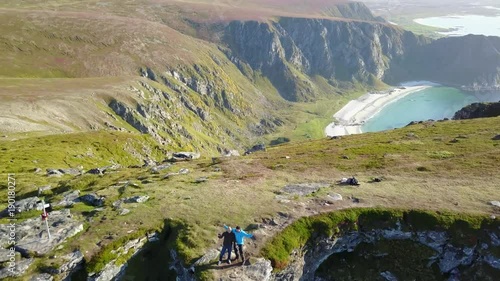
(190, 88)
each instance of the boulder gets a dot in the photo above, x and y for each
(184, 156)
(149, 163)
(232, 153)
(69, 198)
(201, 179)
(124, 211)
(255, 148)
(71, 171)
(303, 189)
(169, 175)
(209, 256)
(91, 199)
(183, 171)
(44, 188)
(495, 203)
(136, 199)
(259, 270)
(102, 170)
(157, 169)
(497, 137)
(60, 172)
(96, 171)
(335, 197)
(54, 173)
(19, 269)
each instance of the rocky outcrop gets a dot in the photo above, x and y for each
(72, 262)
(478, 110)
(69, 198)
(175, 116)
(23, 205)
(91, 199)
(60, 172)
(448, 257)
(157, 169)
(32, 238)
(114, 271)
(110, 272)
(255, 148)
(184, 156)
(136, 199)
(18, 270)
(259, 270)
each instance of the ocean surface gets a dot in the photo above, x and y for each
(434, 103)
(465, 24)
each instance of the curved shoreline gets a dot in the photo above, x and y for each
(354, 114)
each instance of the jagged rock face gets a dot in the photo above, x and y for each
(478, 110)
(344, 50)
(184, 104)
(290, 51)
(340, 50)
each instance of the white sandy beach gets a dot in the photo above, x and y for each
(354, 114)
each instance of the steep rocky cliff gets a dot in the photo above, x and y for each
(292, 51)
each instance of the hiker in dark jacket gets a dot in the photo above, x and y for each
(240, 236)
(227, 244)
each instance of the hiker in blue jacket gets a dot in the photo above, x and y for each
(240, 240)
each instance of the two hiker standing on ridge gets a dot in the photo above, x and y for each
(236, 236)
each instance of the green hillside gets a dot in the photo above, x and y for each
(97, 97)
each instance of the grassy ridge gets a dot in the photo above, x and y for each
(243, 190)
(461, 227)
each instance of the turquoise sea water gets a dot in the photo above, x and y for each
(431, 103)
(465, 24)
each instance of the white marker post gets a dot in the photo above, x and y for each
(46, 218)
